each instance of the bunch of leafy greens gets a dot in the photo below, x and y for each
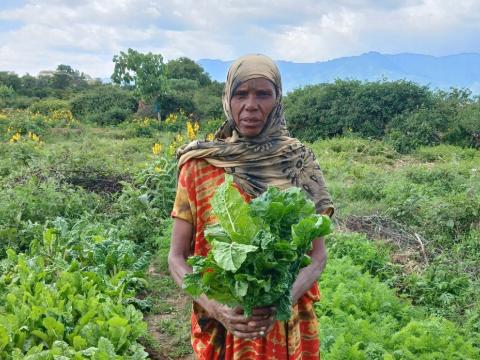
(257, 248)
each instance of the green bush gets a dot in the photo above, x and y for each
(211, 125)
(113, 116)
(369, 256)
(443, 288)
(26, 206)
(16, 102)
(23, 122)
(424, 127)
(142, 127)
(208, 101)
(93, 104)
(465, 129)
(328, 110)
(48, 106)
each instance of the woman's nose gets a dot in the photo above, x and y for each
(251, 102)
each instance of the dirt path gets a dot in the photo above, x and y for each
(169, 319)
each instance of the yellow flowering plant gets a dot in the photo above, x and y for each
(32, 125)
(61, 117)
(157, 149)
(141, 127)
(192, 130)
(178, 141)
(16, 137)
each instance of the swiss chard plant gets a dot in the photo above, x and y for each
(257, 248)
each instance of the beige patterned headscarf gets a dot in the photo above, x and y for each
(270, 158)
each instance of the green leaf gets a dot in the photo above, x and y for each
(79, 343)
(241, 288)
(232, 213)
(192, 284)
(4, 339)
(284, 307)
(12, 255)
(263, 239)
(231, 256)
(54, 327)
(309, 229)
(106, 350)
(216, 232)
(117, 321)
(41, 335)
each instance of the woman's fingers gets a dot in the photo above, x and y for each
(263, 311)
(238, 310)
(265, 323)
(257, 325)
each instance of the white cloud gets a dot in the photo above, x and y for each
(86, 34)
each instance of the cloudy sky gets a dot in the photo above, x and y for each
(40, 34)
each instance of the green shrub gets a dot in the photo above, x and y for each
(26, 206)
(328, 110)
(465, 130)
(211, 125)
(176, 101)
(25, 122)
(113, 116)
(424, 127)
(48, 106)
(16, 102)
(94, 103)
(442, 202)
(141, 127)
(369, 256)
(443, 288)
(142, 207)
(208, 101)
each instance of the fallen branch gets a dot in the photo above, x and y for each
(422, 247)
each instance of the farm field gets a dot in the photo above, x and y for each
(85, 228)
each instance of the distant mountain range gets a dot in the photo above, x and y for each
(442, 72)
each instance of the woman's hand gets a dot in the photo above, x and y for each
(234, 320)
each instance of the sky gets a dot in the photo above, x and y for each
(38, 35)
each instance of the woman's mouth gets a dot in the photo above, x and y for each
(250, 121)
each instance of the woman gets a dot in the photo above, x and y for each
(255, 147)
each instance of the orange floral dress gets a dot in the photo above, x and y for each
(295, 339)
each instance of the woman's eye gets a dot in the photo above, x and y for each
(264, 94)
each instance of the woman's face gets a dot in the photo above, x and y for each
(251, 103)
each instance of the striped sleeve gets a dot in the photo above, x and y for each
(182, 208)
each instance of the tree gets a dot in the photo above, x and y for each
(185, 68)
(10, 79)
(6, 92)
(66, 77)
(145, 72)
